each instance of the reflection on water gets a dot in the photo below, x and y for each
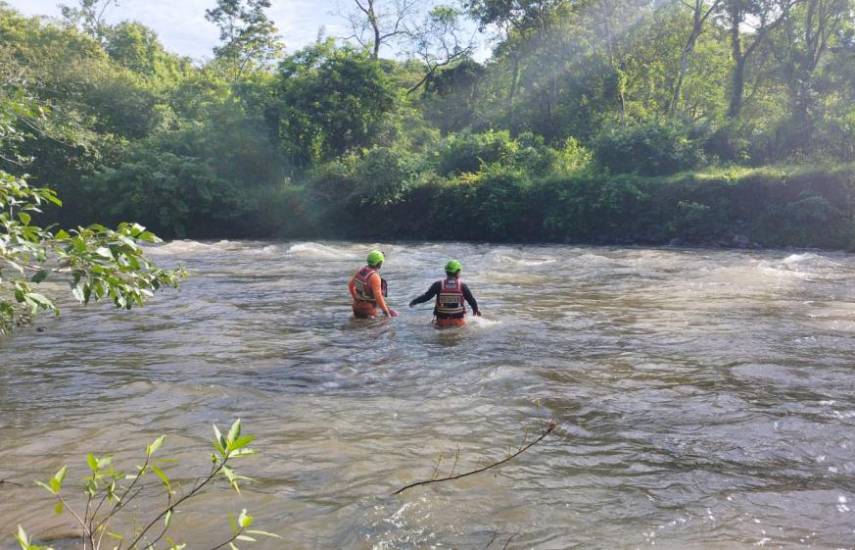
(705, 398)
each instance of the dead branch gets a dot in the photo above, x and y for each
(549, 429)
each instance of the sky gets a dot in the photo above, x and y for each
(182, 27)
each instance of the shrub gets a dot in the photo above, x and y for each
(466, 153)
(650, 149)
(382, 176)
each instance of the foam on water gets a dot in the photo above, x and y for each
(176, 248)
(317, 250)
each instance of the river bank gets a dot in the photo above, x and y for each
(768, 207)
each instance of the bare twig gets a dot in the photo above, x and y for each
(549, 428)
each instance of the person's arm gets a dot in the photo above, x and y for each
(471, 299)
(427, 296)
(377, 292)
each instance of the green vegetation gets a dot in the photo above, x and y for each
(108, 492)
(613, 121)
(97, 262)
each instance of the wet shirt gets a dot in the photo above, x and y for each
(435, 289)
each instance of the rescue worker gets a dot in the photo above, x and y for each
(368, 289)
(450, 293)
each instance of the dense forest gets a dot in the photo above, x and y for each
(605, 121)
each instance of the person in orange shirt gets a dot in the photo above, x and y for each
(367, 289)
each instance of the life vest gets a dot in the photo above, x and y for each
(450, 300)
(362, 286)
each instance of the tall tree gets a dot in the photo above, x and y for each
(249, 38)
(804, 38)
(378, 23)
(515, 19)
(760, 17)
(329, 101)
(701, 12)
(88, 16)
(438, 42)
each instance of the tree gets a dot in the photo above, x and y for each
(513, 17)
(761, 17)
(137, 47)
(377, 23)
(249, 38)
(89, 16)
(329, 100)
(437, 42)
(701, 12)
(808, 31)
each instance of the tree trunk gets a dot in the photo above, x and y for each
(688, 49)
(737, 79)
(512, 93)
(375, 25)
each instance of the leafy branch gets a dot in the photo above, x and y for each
(105, 485)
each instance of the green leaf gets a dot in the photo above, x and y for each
(22, 538)
(244, 519)
(219, 441)
(153, 448)
(25, 218)
(148, 237)
(62, 235)
(58, 508)
(245, 538)
(167, 519)
(240, 442)
(92, 462)
(57, 479)
(234, 432)
(162, 476)
(40, 300)
(39, 277)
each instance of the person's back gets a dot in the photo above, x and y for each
(366, 289)
(451, 295)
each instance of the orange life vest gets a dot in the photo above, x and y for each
(450, 300)
(362, 286)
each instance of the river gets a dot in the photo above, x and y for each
(704, 398)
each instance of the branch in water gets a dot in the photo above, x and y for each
(549, 428)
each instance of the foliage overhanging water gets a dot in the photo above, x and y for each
(704, 398)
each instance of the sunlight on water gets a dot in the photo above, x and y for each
(704, 398)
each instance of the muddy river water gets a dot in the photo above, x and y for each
(704, 398)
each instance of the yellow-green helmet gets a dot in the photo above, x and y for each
(453, 267)
(375, 258)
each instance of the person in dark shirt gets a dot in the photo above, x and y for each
(450, 293)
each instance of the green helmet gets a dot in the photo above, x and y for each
(453, 267)
(375, 258)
